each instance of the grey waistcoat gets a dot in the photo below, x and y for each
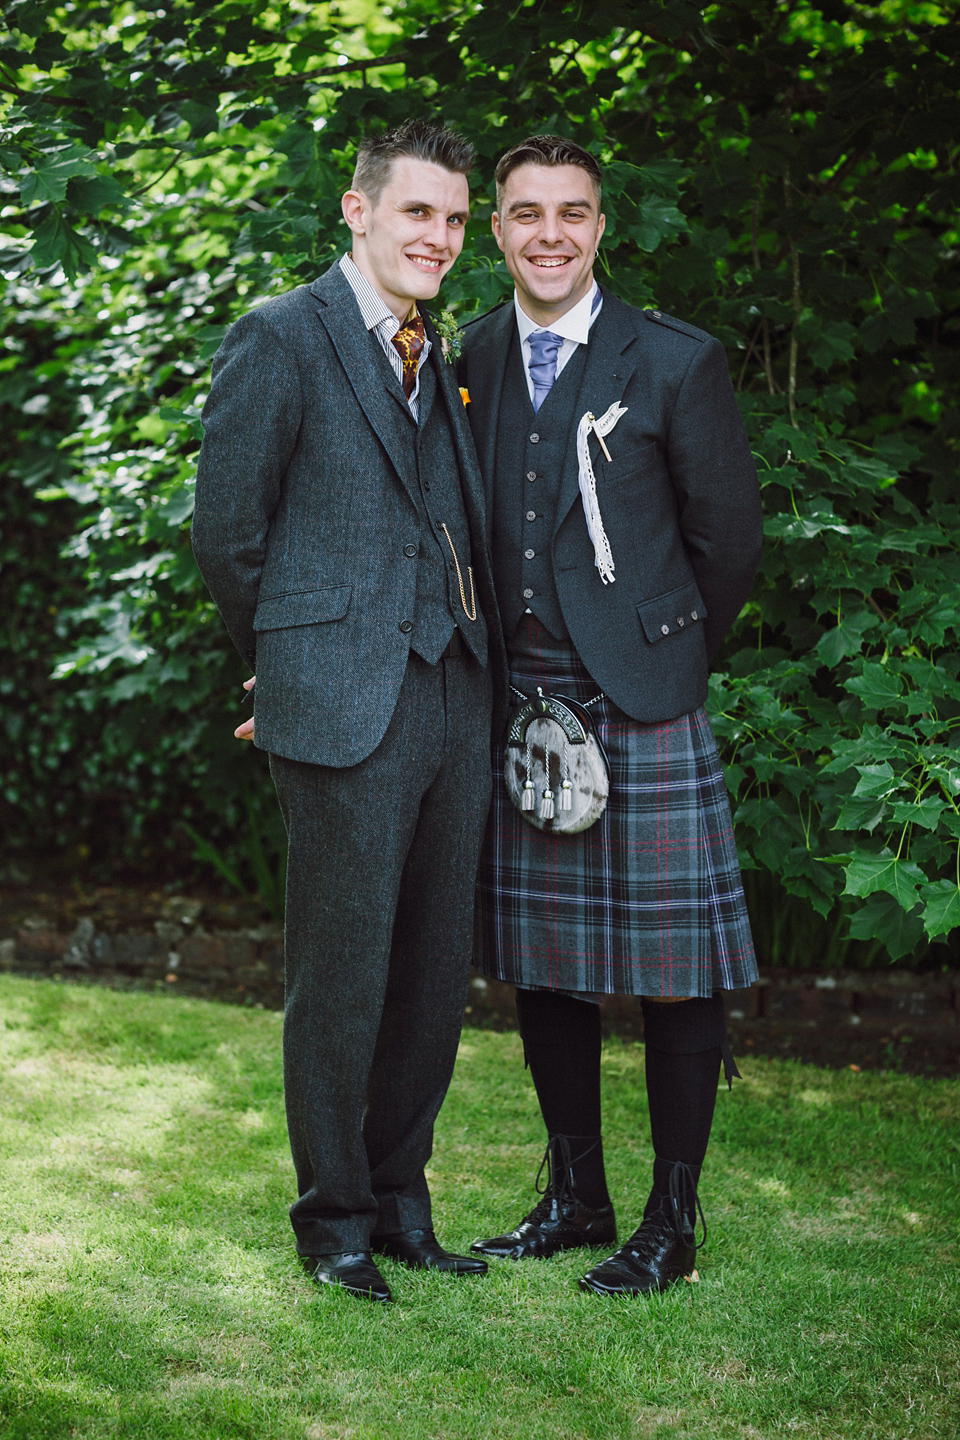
(531, 451)
(439, 502)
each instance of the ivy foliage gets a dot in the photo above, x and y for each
(783, 174)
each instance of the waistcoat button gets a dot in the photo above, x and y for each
(531, 474)
(532, 515)
(405, 627)
(528, 594)
(529, 554)
(534, 439)
(410, 551)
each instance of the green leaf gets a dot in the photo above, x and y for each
(48, 182)
(882, 918)
(92, 196)
(56, 241)
(858, 814)
(942, 910)
(925, 812)
(877, 781)
(868, 873)
(876, 686)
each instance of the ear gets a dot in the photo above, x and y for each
(496, 228)
(355, 207)
(601, 226)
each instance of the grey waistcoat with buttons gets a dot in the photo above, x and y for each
(530, 455)
(438, 498)
(679, 499)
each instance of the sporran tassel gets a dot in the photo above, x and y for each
(546, 805)
(526, 799)
(566, 796)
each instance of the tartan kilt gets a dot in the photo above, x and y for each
(649, 900)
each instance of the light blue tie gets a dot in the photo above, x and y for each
(544, 349)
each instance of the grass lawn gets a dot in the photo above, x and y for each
(149, 1286)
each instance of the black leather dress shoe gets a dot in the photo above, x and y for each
(553, 1225)
(353, 1271)
(654, 1258)
(421, 1250)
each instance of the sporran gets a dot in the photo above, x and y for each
(555, 770)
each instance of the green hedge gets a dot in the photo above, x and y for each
(783, 175)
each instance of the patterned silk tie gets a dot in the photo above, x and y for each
(409, 342)
(544, 349)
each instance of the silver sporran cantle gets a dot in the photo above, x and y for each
(554, 766)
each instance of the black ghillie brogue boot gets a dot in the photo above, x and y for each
(560, 1221)
(662, 1251)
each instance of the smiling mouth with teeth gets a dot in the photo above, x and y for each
(549, 262)
(424, 263)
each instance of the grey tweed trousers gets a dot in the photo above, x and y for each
(380, 892)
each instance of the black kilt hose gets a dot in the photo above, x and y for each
(649, 900)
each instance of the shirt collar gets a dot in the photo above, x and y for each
(373, 307)
(573, 325)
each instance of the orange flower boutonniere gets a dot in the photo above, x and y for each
(464, 395)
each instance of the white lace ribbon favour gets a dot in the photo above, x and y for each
(603, 556)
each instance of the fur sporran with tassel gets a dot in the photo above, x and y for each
(554, 766)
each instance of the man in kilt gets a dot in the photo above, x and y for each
(619, 610)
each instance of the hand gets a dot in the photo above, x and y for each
(245, 731)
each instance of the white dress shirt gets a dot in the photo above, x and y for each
(378, 317)
(574, 327)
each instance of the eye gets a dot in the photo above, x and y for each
(456, 222)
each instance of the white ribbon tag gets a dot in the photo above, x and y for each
(602, 554)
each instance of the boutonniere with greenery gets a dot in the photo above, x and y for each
(451, 336)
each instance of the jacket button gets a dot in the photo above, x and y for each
(531, 514)
(528, 594)
(529, 554)
(531, 474)
(664, 629)
(405, 627)
(410, 551)
(679, 619)
(693, 614)
(534, 439)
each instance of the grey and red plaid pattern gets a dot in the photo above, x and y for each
(649, 900)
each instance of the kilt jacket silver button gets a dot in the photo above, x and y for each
(693, 614)
(664, 629)
(680, 620)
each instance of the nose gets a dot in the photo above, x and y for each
(550, 231)
(435, 234)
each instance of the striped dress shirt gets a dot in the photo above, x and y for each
(384, 324)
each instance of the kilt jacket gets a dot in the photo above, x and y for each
(679, 500)
(305, 519)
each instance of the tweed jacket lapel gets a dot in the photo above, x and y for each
(608, 370)
(487, 380)
(449, 393)
(340, 316)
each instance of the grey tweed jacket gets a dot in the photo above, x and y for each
(679, 500)
(304, 508)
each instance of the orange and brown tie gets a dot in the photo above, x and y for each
(409, 342)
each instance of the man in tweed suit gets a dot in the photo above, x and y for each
(339, 526)
(622, 617)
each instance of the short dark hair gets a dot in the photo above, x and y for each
(547, 150)
(423, 139)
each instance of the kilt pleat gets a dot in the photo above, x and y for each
(649, 900)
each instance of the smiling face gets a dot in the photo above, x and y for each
(548, 227)
(406, 242)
